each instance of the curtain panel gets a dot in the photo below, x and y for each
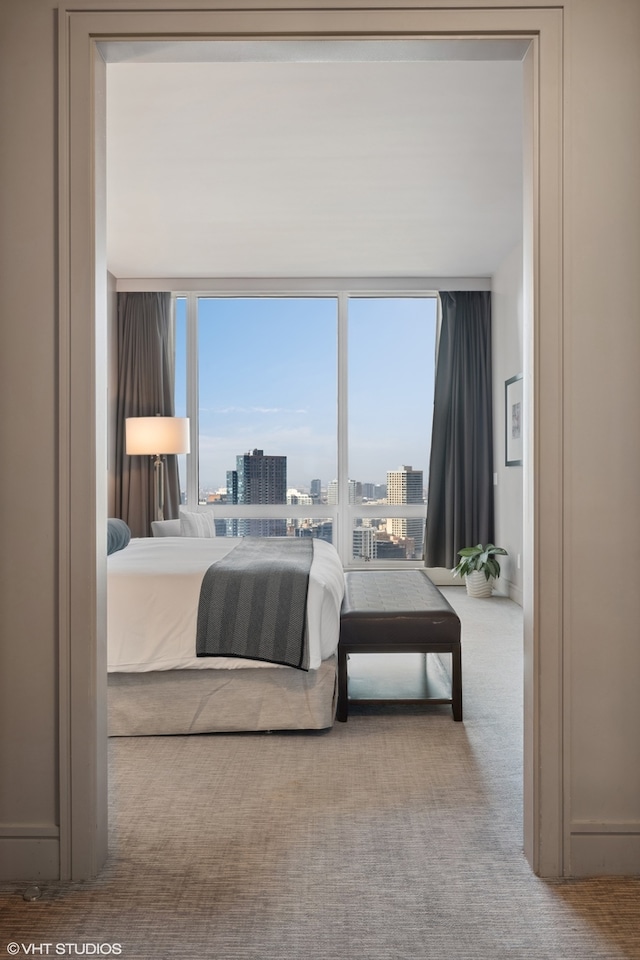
(460, 506)
(145, 365)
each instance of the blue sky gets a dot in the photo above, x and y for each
(267, 380)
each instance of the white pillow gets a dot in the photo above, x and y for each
(165, 528)
(197, 524)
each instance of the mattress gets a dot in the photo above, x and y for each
(153, 587)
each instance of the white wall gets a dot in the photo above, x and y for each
(507, 361)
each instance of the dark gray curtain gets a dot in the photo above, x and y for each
(145, 388)
(460, 490)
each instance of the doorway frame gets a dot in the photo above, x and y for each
(83, 396)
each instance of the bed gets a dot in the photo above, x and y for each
(156, 683)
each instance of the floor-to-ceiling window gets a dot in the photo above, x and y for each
(311, 416)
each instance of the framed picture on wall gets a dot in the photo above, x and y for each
(513, 426)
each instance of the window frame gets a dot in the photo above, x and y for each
(343, 514)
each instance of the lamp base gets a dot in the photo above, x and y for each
(158, 487)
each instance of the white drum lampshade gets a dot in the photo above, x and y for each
(156, 435)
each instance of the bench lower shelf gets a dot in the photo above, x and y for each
(409, 678)
(403, 677)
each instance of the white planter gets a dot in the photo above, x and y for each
(478, 585)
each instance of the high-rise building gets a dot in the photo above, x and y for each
(318, 529)
(368, 491)
(390, 550)
(364, 543)
(405, 485)
(261, 479)
(355, 492)
(232, 497)
(296, 497)
(316, 491)
(258, 479)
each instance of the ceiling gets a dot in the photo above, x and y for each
(313, 158)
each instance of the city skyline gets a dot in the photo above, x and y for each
(370, 491)
(259, 479)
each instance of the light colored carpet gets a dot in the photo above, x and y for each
(396, 835)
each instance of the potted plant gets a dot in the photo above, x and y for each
(479, 566)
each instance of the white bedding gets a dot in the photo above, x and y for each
(153, 588)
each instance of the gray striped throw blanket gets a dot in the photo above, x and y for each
(253, 602)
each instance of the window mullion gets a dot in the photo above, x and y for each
(192, 400)
(342, 539)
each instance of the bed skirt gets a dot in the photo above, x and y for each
(222, 701)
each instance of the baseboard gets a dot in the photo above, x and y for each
(442, 577)
(515, 593)
(29, 858)
(506, 588)
(604, 849)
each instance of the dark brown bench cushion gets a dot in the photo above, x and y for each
(380, 606)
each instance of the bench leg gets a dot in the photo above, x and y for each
(456, 682)
(343, 692)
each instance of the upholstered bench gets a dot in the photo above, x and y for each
(397, 612)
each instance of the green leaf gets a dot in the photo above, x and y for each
(468, 552)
